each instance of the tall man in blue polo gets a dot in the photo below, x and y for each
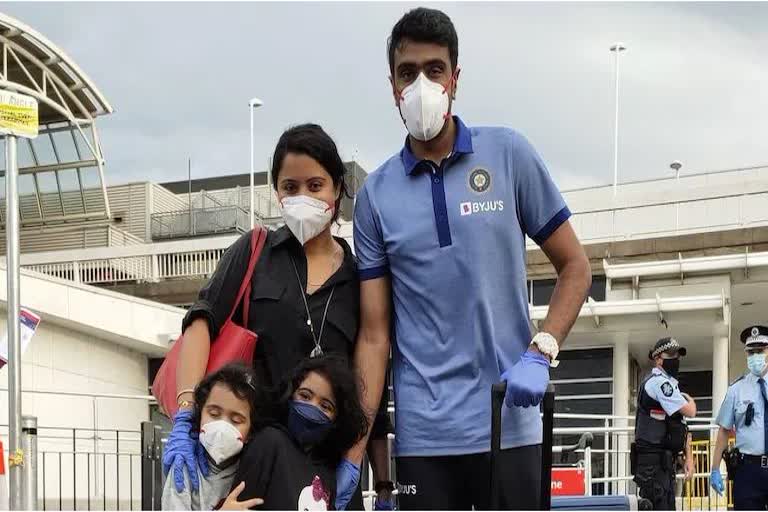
(440, 232)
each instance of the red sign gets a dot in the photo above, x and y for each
(568, 482)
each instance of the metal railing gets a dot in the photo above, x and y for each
(657, 218)
(139, 269)
(88, 468)
(199, 222)
(118, 469)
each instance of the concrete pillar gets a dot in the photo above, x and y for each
(621, 400)
(720, 357)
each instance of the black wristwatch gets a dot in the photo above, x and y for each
(384, 485)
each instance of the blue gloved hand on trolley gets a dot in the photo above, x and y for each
(183, 450)
(347, 479)
(383, 504)
(527, 380)
(716, 481)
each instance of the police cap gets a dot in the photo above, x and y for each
(669, 345)
(754, 336)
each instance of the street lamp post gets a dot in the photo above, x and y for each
(253, 105)
(616, 48)
(676, 165)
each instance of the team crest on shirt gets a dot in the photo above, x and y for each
(480, 180)
(666, 388)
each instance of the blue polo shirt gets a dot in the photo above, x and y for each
(452, 239)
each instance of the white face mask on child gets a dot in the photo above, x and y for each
(221, 440)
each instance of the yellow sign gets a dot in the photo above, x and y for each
(18, 115)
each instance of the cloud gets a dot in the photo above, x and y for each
(180, 75)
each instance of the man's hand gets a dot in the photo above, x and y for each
(527, 380)
(231, 502)
(716, 481)
(383, 501)
(347, 479)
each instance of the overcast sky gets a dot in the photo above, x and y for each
(694, 81)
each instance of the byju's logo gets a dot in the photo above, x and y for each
(469, 208)
(409, 489)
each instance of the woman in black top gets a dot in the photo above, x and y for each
(305, 290)
(291, 464)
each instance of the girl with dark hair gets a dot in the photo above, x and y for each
(292, 463)
(229, 406)
(304, 299)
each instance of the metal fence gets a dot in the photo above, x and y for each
(88, 469)
(135, 269)
(108, 469)
(199, 221)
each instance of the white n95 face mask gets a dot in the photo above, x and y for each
(306, 216)
(221, 440)
(424, 107)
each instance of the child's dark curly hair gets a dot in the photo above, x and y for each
(351, 421)
(242, 381)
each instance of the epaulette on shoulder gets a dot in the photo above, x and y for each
(737, 380)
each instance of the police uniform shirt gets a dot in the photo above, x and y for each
(665, 390)
(733, 413)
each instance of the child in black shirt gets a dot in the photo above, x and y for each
(291, 464)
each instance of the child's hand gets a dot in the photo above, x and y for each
(231, 502)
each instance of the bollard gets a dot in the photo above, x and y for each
(29, 469)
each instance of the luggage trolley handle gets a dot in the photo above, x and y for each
(548, 425)
(498, 391)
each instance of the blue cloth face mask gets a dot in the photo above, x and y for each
(306, 423)
(756, 363)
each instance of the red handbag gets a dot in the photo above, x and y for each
(234, 343)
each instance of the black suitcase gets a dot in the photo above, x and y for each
(560, 503)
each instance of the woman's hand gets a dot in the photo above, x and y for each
(231, 502)
(183, 451)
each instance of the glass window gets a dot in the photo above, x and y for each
(584, 364)
(544, 288)
(582, 388)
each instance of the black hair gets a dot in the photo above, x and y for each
(312, 141)
(241, 380)
(351, 422)
(423, 25)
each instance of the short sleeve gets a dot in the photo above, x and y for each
(541, 207)
(216, 298)
(726, 417)
(664, 392)
(371, 255)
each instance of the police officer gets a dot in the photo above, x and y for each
(744, 409)
(660, 430)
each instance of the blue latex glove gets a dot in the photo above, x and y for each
(182, 450)
(383, 504)
(716, 481)
(347, 480)
(527, 380)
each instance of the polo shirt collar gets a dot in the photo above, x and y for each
(462, 145)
